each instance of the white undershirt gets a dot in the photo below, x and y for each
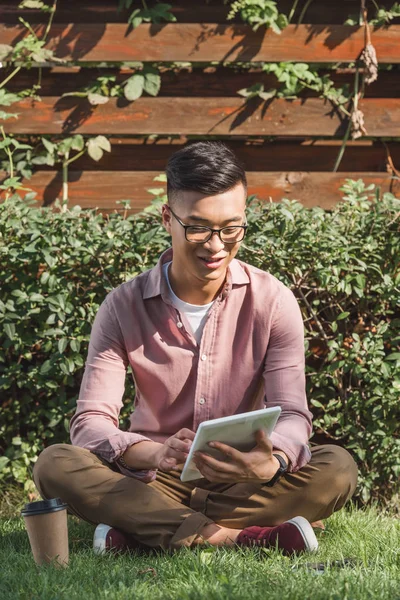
(196, 315)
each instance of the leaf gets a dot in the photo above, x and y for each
(94, 151)
(267, 95)
(51, 261)
(51, 319)
(135, 18)
(96, 99)
(43, 159)
(46, 367)
(287, 214)
(342, 316)
(38, 4)
(44, 277)
(4, 460)
(5, 51)
(103, 142)
(206, 556)
(252, 91)
(135, 21)
(134, 87)
(62, 344)
(393, 356)
(77, 142)
(317, 403)
(156, 191)
(9, 329)
(36, 297)
(152, 82)
(96, 146)
(50, 147)
(8, 98)
(162, 177)
(75, 345)
(4, 115)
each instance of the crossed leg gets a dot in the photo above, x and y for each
(168, 513)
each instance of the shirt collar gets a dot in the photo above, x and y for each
(156, 283)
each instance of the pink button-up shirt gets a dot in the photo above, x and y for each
(251, 355)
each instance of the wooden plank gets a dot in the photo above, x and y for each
(212, 11)
(193, 42)
(196, 116)
(103, 189)
(106, 11)
(262, 155)
(202, 82)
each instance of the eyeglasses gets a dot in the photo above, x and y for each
(199, 234)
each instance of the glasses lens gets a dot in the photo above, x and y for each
(197, 234)
(232, 234)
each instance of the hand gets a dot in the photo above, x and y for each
(174, 450)
(258, 466)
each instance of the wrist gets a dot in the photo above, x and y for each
(142, 456)
(283, 455)
(281, 469)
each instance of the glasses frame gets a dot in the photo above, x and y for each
(212, 231)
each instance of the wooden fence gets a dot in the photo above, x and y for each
(289, 147)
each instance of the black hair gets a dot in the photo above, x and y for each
(209, 167)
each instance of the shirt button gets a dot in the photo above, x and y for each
(202, 400)
(179, 324)
(203, 357)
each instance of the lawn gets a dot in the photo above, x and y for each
(369, 539)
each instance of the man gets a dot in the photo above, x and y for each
(206, 336)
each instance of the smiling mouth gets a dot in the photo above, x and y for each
(212, 263)
(210, 260)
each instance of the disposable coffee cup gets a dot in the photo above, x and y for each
(46, 523)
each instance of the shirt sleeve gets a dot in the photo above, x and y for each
(284, 381)
(94, 425)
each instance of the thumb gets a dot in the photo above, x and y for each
(263, 442)
(168, 464)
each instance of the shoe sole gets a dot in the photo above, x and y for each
(307, 533)
(99, 538)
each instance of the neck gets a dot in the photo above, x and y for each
(194, 291)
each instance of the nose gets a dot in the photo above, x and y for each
(214, 244)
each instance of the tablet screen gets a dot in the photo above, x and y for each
(237, 431)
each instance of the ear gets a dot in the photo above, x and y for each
(166, 217)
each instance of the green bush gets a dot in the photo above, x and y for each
(56, 266)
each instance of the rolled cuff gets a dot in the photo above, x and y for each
(145, 476)
(112, 447)
(298, 453)
(120, 445)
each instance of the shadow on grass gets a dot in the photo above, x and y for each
(80, 535)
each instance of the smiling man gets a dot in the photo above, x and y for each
(206, 336)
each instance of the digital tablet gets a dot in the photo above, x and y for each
(237, 431)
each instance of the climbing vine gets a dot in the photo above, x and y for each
(20, 156)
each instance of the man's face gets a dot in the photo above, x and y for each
(194, 208)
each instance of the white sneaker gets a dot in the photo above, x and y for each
(110, 539)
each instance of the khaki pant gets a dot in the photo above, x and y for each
(168, 513)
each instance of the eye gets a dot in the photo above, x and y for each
(194, 229)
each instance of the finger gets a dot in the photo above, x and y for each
(185, 433)
(228, 451)
(212, 475)
(178, 445)
(180, 457)
(217, 465)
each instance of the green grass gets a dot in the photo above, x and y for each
(371, 539)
